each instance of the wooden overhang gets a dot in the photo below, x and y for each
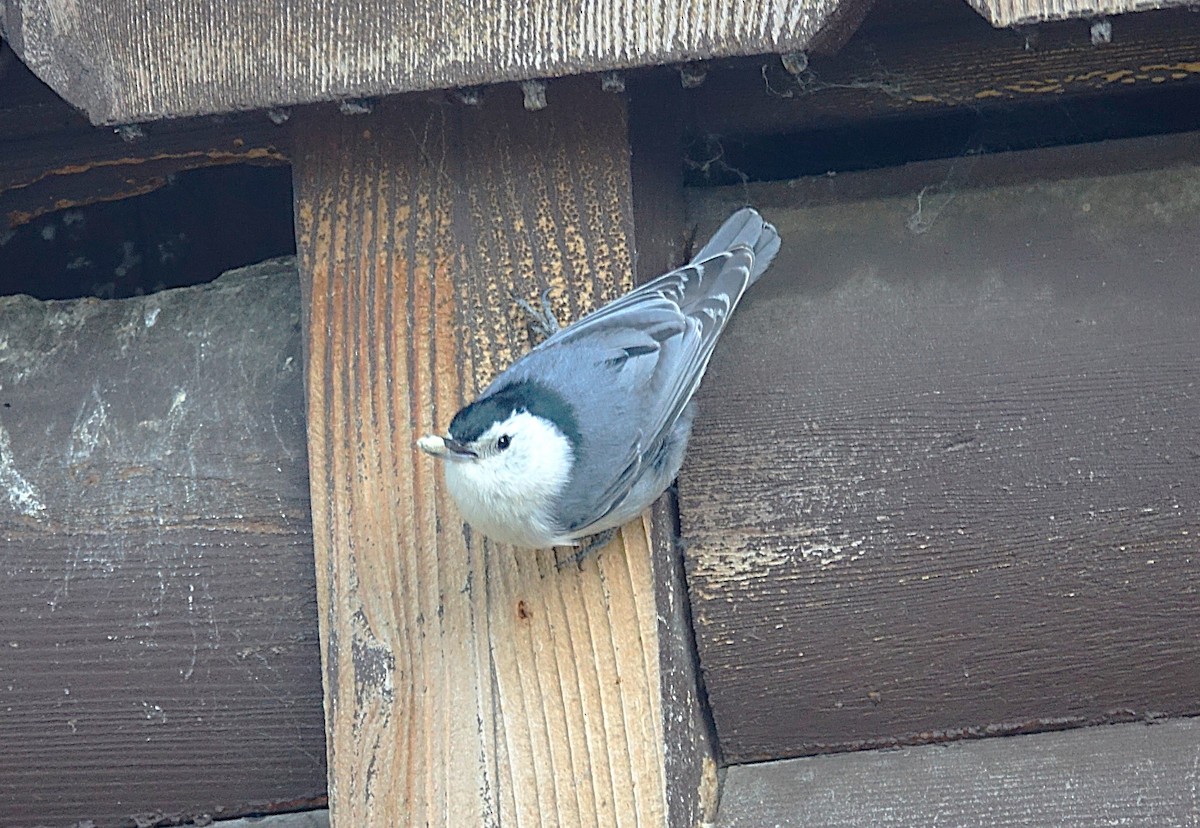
(126, 61)
(142, 60)
(1027, 12)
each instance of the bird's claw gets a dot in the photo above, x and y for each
(542, 320)
(594, 544)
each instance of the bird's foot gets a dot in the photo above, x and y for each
(594, 544)
(542, 320)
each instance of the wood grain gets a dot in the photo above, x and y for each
(945, 479)
(467, 683)
(1135, 775)
(136, 60)
(1003, 13)
(158, 625)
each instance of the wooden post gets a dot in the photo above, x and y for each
(664, 239)
(466, 683)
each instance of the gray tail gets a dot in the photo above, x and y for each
(745, 227)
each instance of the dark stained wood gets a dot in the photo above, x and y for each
(468, 683)
(842, 24)
(204, 222)
(1133, 774)
(663, 239)
(300, 819)
(945, 479)
(662, 242)
(690, 752)
(54, 159)
(921, 70)
(158, 632)
(129, 61)
(1043, 166)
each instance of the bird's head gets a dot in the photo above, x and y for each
(508, 456)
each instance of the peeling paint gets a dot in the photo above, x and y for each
(153, 510)
(21, 494)
(87, 432)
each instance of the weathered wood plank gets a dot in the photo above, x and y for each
(1003, 13)
(1132, 774)
(656, 136)
(135, 60)
(158, 631)
(690, 754)
(466, 683)
(921, 70)
(300, 819)
(945, 476)
(54, 159)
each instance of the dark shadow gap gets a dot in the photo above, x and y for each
(714, 160)
(200, 224)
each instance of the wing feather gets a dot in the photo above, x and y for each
(714, 287)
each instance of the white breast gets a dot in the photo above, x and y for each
(510, 495)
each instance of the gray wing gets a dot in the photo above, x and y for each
(646, 353)
(684, 287)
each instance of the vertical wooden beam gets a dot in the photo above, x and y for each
(467, 683)
(664, 240)
(656, 110)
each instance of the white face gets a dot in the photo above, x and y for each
(509, 489)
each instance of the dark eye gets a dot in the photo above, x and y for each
(503, 442)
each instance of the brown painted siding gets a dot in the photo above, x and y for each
(158, 629)
(1119, 775)
(946, 476)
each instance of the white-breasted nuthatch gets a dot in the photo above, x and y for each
(585, 431)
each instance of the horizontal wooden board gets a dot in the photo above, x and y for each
(1030, 12)
(134, 60)
(922, 70)
(1130, 775)
(946, 474)
(158, 630)
(54, 159)
(300, 819)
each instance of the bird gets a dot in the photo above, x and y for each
(585, 431)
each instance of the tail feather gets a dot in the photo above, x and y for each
(745, 227)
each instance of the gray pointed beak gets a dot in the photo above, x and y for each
(445, 447)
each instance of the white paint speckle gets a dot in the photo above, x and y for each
(88, 431)
(20, 493)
